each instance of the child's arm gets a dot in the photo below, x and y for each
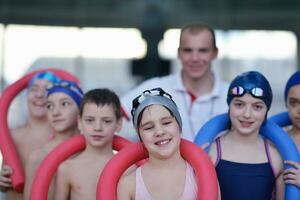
(62, 185)
(30, 168)
(280, 187)
(292, 175)
(277, 164)
(126, 187)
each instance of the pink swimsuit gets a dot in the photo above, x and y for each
(189, 192)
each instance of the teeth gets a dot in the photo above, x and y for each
(163, 142)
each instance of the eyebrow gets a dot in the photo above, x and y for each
(293, 98)
(144, 124)
(65, 98)
(259, 101)
(163, 118)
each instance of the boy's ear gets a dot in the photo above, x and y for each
(119, 124)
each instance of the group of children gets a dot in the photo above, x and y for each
(96, 115)
(247, 165)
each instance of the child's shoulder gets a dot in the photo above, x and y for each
(66, 166)
(19, 133)
(276, 159)
(72, 161)
(128, 180)
(126, 186)
(272, 148)
(213, 152)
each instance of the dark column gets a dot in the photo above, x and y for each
(297, 33)
(152, 28)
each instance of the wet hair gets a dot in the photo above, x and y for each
(196, 28)
(102, 97)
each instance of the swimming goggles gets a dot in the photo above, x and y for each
(153, 92)
(66, 84)
(240, 91)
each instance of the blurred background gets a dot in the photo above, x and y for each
(118, 44)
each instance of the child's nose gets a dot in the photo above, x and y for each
(159, 131)
(98, 126)
(247, 111)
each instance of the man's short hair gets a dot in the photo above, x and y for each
(195, 28)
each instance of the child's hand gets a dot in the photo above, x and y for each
(292, 175)
(5, 181)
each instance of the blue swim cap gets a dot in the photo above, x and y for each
(253, 83)
(49, 76)
(293, 80)
(67, 87)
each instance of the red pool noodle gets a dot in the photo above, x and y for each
(9, 153)
(198, 159)
(49, 165)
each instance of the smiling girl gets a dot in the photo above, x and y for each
(248, 167)
(166, 175)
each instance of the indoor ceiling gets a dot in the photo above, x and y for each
(153, 14)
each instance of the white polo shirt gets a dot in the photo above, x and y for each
(194, 114)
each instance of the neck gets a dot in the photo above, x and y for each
(167, 163)
(199, 86)
(104, 151)
(38, 123)
(62, 136)
(244, 139)
(294, 131)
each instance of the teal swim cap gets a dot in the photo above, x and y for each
(49, 76)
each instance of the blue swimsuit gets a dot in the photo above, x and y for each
(243, 181)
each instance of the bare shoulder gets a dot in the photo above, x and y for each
(129, 174)
(130, 170)
(126, 185)
(18, 133)
(213, 152)
(274, 151)
(65, 167)
(276, 158)
(72, 165)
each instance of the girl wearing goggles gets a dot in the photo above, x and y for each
(166, 175)
(248, 167)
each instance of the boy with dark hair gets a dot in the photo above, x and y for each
(100, 118)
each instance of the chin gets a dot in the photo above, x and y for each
(39, 114)
(247, 131)
(167, 153)
(296, 124)
(60, 129)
